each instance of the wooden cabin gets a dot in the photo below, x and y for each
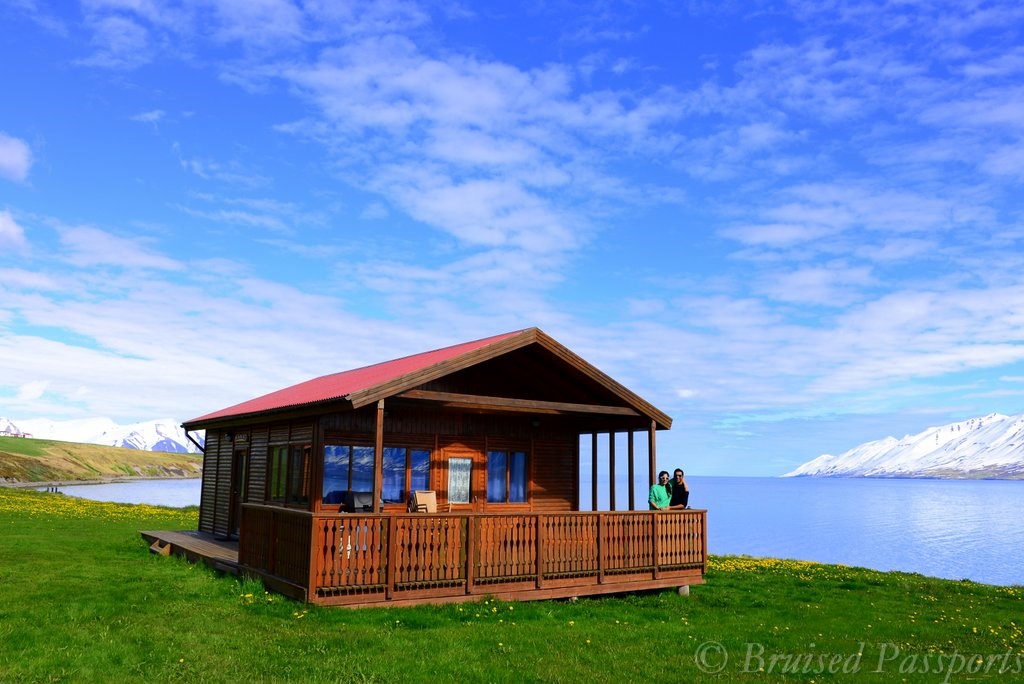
(445, 476)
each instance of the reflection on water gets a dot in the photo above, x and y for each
(175, 493)
(952, 529)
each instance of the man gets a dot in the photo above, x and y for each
(680, 491)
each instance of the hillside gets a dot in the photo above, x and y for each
(24, 460)
(163, 434)
(987, 447)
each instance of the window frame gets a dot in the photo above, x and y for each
(290, 475)
(511, 464)
(412, 454)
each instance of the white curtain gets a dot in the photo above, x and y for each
(458, 479)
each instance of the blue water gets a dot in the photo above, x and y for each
(953, 529)
(174, 493)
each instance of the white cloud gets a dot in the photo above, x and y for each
(152, 116)
(374, 211)
(121, 43)
(15, 158)
(30, 391)
(89, 247)
(830, 285)
(232, 173)
(12, 236)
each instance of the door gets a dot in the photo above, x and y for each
(239, 487)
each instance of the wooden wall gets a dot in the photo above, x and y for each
(551, 445)
(215, 496)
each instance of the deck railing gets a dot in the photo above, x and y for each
(366, 558)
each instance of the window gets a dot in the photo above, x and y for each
(400, 462)
(506, 476)
(459, 470)
(350, 469)
(290, 474)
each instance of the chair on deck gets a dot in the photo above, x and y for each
(423, 501)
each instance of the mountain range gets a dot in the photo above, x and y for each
(989, 447)
(153, 435)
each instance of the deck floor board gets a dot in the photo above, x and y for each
(198, 546)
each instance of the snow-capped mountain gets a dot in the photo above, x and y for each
(988, 447)
(153, 435)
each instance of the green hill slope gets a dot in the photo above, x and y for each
(25, 461)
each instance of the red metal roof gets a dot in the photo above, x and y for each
(341, 385)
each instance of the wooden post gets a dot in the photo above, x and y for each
(470, 547)
(392, 553)
(600, 548)
(656, 542)
(315, 558)
(704, 542)
(652, 454)
(575, 471)
(539, 552)
(631, 470)
(378, 458)
(611, 471)
(593, 471)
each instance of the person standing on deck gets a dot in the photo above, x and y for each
(680, 491)
(660, 496)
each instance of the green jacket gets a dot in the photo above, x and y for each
(660, 496)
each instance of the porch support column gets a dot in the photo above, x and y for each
(378, 458)
(631, 470)
(575, 471)
(593, 471)
(611, 471)
(652, 454)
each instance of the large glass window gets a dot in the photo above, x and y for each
(419, 467)
(336, 467)
(394, 475)
(350, 469)
(362, 469)
(290, 476)
(506, 476)
(497, 475)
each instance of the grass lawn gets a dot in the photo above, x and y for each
(81, 599)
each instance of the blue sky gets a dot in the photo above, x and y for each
(793, 226)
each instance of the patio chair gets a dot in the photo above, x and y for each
(423, 501)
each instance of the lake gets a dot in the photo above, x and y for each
(176, 493)
(943, 528)
(964, 529)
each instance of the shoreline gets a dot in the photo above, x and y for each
(104, 480)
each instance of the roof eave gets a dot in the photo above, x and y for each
(274, 413)
(526, 337)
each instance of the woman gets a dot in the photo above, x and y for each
(660, 496)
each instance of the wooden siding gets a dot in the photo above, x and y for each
(215, 495)
(258, 451)
(207, 495)
(380, 559)
(554, 476)
(222, 490)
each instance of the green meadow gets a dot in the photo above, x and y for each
(83, 600)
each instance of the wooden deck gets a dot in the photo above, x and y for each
(197, 547)
(406, 559)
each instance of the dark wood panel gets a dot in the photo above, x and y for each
(258, 451)
(554, 484)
